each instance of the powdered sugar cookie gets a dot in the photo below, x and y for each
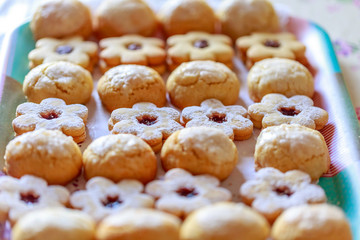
(233, 120)
(272, 192)
(275, 109)
(54, 114)
(180, 193)
(103, 197)
(145, 120)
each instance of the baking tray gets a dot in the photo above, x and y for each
(341, 133)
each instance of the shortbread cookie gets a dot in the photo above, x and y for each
(182, 16)
(115, 18)
(277, 75)
(193, 82)
(199, 46)
(64, 80)
(243, 17)
(73, 49)
(29, 193)
(259, 46)
(145, 120)
(276, 109)
(180, 193)
(118, 157)
(55, 224)
(220, 221)
(289, 147)
(125, 85)
(200, 150)
(233, 120)
(61, 18)
(133, 49)
(272, 192)
(144, 224)
(48, 154)
(54, 114)
(312, 222)
(103, 197)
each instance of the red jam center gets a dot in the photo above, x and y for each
(283, 190)
(272, 43)
(147, 120)
(29, 198)
(64, 49)
(50, 115)
(289, 111)
(112, 202)
(186, 192)
(217, 117)
(201, 43)
(134, 46)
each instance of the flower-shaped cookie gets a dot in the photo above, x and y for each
(29, 193)
(276, 109)
(180, 193)
(74, 49)
(199, 46)
(52, 114)
(132, 49)
(103, 197)
(271, 192)
(259, 46)
(212, 113)
(146, 121)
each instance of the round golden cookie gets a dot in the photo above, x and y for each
(290, 147)
(54, 224)
(230, 221)
(64, 80)
(125, 85)
(242, 17)
(312, 222)
(182, 16)
(277, 75)
(118, 157)
(193, 82)
(200, 150)
(136, 224)
(120, 17)
(61, 18)
(48, 154)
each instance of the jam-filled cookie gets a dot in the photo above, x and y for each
(133, 49)
(73, 49)
(276, 109)
(272, 192)
(199, 46)
(145, 120)
(180, 193)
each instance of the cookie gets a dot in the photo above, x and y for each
(230, 221)
(272, 192)
(61, 18)
(53, 224)
(232, 120)
(118, 157)
(199, 46)
(115, 18)
(54, 114)
(64, 80)
(145, 120)
(193, 82)
(136, 224)
(243, 17)
(133, 49)
(290, 147)
(103, 197)
(276, 109)
(312, 222)
(180, 193)
(72, 49)
(259, 46)
(29, 193)
(200, 150)
(182, 16)
(277, 75)
(125, 85)
(48, 154)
